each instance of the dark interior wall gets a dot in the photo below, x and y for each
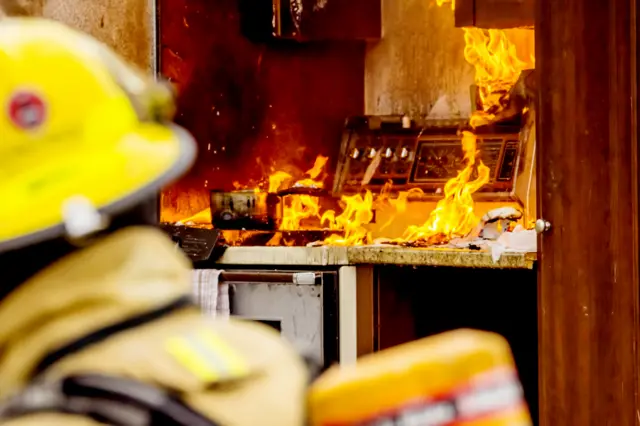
(251, 106)
(419, 302)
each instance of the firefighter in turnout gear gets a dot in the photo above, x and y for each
(96, 323)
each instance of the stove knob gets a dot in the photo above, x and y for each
(371, 153)
(355, 153)
(388, 153)
(404, 153)
(226, 216)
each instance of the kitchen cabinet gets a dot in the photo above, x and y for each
(495, 13)
(311, 20)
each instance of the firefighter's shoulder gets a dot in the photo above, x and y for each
(188, 352)
(225, 350)
(217, 367)
(223, 367)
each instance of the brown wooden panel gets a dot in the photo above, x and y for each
(366, 309)
(464, 13)
(495, 13)
(588, 170)
(395, 319)
(251, 106)
(311, 20)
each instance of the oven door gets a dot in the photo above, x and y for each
(301, 305)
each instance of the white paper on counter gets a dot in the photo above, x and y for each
(520, 240)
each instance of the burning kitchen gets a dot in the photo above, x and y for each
(361, 189)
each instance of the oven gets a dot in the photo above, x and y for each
(301, 304)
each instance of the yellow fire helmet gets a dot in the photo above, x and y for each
(461, 378)
(77, 122)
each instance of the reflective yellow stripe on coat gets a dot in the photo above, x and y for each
(207, 356)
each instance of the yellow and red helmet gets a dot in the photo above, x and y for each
(461, 378)
(75, 120)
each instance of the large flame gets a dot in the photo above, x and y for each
(497, 67)
(277, 179)
(357, 212)
(453, 215)
(299, 207)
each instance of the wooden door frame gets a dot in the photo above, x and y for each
(588, 189)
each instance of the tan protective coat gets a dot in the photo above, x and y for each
(129, 273)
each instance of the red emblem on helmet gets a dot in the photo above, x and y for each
(27, 110)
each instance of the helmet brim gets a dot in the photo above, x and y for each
(120, 200)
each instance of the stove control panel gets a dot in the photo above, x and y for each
(423, 155)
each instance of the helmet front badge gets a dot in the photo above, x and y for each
(26, 110)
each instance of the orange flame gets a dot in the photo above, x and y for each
(453, 216)
(276, 180)
(357, 212)
(443, 2)
(300, 207)
(497, 68)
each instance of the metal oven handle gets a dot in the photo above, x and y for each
(298, 278)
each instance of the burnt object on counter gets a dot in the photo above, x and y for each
(246, 209)
(311, 20)
(197, 243)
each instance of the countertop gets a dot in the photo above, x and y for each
(373, 255)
